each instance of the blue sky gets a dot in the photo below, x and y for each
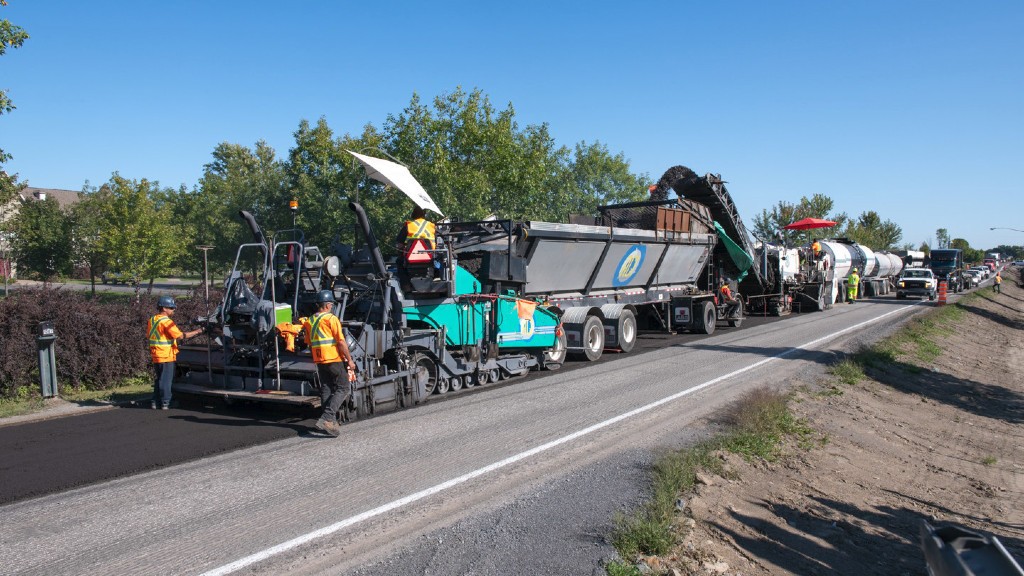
(914, 109)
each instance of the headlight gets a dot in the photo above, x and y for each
(903, 284)
(928, 284)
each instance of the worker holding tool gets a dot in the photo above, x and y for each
(852, 284)
(331, 354)
(163, 349)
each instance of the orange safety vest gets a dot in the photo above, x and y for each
(726, 293)
(323, 331)
(420, 228)
(161, 339)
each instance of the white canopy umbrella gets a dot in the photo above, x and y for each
(394, 174)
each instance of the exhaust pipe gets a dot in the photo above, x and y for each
(257, 233)
(371, 240)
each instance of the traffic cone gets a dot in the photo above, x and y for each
(942, 293)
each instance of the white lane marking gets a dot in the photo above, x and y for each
(352, 520)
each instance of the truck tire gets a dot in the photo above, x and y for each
(736, 322)
(705, 317)
(625, 329)
(592, 338)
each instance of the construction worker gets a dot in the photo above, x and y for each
(816, 249)
(728, 298)
(331, 354)
(852, 284)
(417, 227)
(163, 335)
(998, 282)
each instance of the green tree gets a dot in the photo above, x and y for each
(870, 230)
(942, 238)
(238, 178)
(86, 225)
(11, 36)
(138, 237)
(41, 242)
(770, 223)
(598, 177)
(315, 175)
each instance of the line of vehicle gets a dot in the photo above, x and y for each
(395, 504)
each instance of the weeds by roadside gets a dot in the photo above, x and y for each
(756, 427)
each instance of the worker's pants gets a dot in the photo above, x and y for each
(333, 389)
(162, 383)
(996, 287)
(851, 293)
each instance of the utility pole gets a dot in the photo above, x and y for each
(206, 296)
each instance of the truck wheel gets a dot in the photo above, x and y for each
(735, 322)
(705, 317)
(627, 331)
(592, 336)
(457, 383)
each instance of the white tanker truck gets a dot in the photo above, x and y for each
(877, 270)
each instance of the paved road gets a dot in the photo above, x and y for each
(411, 492)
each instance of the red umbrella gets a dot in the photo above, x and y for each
(809, 223)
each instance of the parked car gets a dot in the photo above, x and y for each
(975, 276)
(118, 278)
(918, 282)
(985, 272)
(1018, 263)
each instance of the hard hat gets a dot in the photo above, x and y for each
(324, 296)
(854, 270)
(166, 302)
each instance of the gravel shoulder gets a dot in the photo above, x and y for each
(938, 441)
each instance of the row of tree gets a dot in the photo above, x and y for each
(474, 159)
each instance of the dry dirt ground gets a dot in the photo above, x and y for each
(940, 441)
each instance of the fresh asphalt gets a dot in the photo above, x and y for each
(54, 455)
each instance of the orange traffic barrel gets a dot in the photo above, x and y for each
(942, 293)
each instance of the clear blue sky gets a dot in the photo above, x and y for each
(914, 109)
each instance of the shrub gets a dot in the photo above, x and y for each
(99, 343)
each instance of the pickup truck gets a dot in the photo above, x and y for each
(919, 282)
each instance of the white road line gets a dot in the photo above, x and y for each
(352, 520)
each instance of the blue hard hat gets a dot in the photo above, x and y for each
(324, 296)
(166, 302)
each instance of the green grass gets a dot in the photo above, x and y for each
(756, 426)
(988, 460)
(28, 401)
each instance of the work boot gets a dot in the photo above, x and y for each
(153, 405)
(329, 427)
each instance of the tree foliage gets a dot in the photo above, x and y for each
(138, 237)
(942, 238)
(870, 230)
(41, 242)
(11, 36)
(770, 223)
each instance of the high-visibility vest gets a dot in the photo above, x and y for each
(162, 331)
(322, 331)
(816, 247)
(726, 292)
(420, 228)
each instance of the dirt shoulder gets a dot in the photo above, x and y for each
(938, 439)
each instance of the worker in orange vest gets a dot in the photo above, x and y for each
(163, 335)
(417, 227)
(730, 300)
(998, 283)
(330, 350)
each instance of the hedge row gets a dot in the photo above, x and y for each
(98, 344)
